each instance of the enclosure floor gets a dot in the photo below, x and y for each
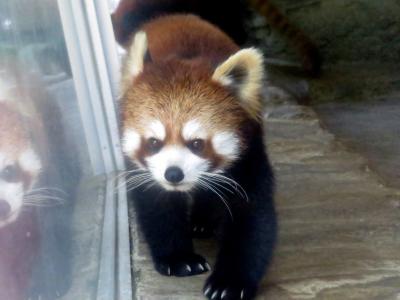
(370, 127)
(339, 234)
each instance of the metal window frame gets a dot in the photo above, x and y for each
(95, 66)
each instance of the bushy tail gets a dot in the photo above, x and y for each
(228, 15)
(131, 14)
(309, 53)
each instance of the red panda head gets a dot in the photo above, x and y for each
(19, 164)
(185, 118)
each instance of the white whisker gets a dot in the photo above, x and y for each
(47, 190)
(228, 181)
(134, 179)
(139, 184)
(150, 185)
(211, 180)
(137, 180)
(42, 201)
(42, 198)
(217, 192)
(122, 174)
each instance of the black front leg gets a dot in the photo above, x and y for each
(206, 214)
(247, 241)
(163, 219)
(246, 248)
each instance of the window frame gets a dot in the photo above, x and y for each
(95, 67)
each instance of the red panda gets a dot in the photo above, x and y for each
(20, 164)
(192, 136)
(20, 167)
(228, 15)
(34, 238)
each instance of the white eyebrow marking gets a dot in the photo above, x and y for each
(226, 144)
(192, 130)
(30, 161)
(156, 129)
(130, 141)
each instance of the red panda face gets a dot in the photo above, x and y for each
(19, 165)
(177, 156)
(182, 120)
(179, 131)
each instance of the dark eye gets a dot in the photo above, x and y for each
(11, 173)
(196, 146)
(154, 145)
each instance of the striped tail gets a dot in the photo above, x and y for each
(309, 53)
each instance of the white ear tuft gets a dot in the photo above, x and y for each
(244, 72)
(134, 61)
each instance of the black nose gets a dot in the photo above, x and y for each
(174, 174)
(5, 209)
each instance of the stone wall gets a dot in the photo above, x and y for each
(345, 30)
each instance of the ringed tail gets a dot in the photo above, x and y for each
(311, 59)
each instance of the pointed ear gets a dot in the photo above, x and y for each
(244, 73)
(135, 58)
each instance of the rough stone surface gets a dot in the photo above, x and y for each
(344, 30)
(339, 234)
(371, 128)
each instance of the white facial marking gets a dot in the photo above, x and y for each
(10, 192)
(30, 162)
(13, 194)
(226, 144)
(130, 141)
(155, 129)
(178, 156)
(193, 130)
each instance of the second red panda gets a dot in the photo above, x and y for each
(191, 132)
(20, 169)
(228, 15)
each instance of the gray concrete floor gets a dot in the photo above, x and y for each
(371, 128)
(339, 234)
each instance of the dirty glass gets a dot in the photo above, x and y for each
(52, 189)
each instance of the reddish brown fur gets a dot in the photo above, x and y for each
(13, 138)
(18, 249)
(126, 6)
(187, 36)
(136, 10)
(176, 86)
(303, 45)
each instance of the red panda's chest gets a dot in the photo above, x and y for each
(19, 244)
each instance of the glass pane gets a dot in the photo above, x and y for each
(51, 204)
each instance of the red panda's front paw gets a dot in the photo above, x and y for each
(225, 287)
(188, 265)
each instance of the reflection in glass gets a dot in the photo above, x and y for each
(50, 202)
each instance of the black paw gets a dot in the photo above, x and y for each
(188, 265)
(224, 287)
(202, 231)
